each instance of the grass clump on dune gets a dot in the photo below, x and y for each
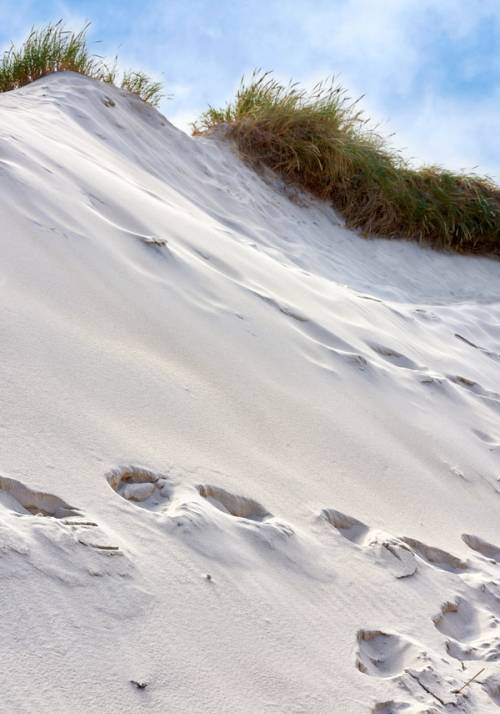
(52, 49)
(141, 84)
(320, 141)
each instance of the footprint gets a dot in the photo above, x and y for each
(493, 398)
(349, 527)
(436, 557)
(325, 347)
(463, 382)
(392, 707)
(492, 686)
(33, 521)
(490, 551)
(352, 358)
(21, 499)
(155, 491)
(141, 486)
(237, 506)
(292, 312)
(131, 229)
(322, 336)
(238, 530)
(281, 307)
(486, 438)
(432, 379)
(232, 528)
(395, 358)
(492, 442)
(417, 672)
(457, 619)
(467, 625)
(382, 654)
(389, 551)
(398, 553)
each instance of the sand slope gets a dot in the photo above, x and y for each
(247, 458)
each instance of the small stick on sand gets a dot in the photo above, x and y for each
(457, 691)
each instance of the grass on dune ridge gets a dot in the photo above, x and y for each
(52, 48)
(320, 141)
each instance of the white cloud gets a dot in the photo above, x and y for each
(389, 51)
(441, 108)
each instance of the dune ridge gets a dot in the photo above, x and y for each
(250, 461)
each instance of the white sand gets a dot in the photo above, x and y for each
(309, 418)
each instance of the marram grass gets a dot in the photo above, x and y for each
(52, 48)
(320, 141)
(141, 84)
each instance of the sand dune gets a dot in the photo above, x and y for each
(250, 461)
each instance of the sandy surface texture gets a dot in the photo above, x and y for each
(249, 461)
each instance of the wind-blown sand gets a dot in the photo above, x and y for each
(248, 459)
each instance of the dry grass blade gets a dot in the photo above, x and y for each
(53, 48)
(320, 141)
(139, 83)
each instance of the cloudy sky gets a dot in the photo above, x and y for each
(429, 70)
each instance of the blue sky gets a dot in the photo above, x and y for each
(429, 69)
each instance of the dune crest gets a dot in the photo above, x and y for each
(250, 461)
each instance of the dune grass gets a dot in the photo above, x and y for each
(53, 48)
(141, 84)
(320, 141)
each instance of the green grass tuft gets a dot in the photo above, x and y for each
(320, 141)
(52, 48)
(139, 83)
